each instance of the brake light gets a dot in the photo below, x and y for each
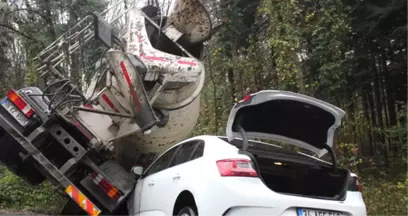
(236, 167)
(354, 184)
(106, 186)
(17, 100)
(247, 97)
(358, 185)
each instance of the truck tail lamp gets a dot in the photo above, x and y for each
(106, 186)
(236, 167)
(20, 103)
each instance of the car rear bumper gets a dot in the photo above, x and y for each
(249, 196)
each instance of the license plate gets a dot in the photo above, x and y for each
(315, 212)
(16, 113)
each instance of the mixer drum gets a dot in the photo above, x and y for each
(184, 76)
(143, 149)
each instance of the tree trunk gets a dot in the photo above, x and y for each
(390, 96)
(378, 107)
(214, 94)
(351, 107)
(75, 63)
(367, 118)
(373, 116)
(389, 89)
(44, 5)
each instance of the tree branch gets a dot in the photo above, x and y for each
(28, 10)
(18, 32)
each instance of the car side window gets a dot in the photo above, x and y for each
(162, 162)
(198, 151)
(183, 154)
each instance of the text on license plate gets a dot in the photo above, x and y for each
(16, 113)
(315, 212)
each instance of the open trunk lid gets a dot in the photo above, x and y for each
(289, 117)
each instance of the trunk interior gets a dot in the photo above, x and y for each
(290, 177)
(289, 172)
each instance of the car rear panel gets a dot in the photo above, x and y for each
(233, 195)
(249, 196)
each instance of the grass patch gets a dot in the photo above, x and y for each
(384, 196)
(17, 195)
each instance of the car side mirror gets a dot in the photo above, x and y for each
(137, 170)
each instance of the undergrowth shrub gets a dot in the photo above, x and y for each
(17, 195)
(384, 189)
(384, 196)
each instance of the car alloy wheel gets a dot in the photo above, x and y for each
(187, 211)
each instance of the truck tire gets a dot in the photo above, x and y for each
(9, 156)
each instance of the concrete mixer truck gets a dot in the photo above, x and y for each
(142, 98)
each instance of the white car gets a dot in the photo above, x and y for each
(211, 175)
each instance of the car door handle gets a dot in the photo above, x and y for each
(176, 177)
(150, 183)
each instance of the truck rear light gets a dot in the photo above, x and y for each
(20, 103)
(106, 186)
(236, 167)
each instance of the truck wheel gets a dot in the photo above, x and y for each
(9, 156)
(188, 211)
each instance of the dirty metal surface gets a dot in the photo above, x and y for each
(191, 18)
(175, 68)
(180, 125)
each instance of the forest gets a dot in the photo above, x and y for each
(351, 53)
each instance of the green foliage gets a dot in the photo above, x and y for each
(348, 156)
(385, 196)
(16, 194)
(399, 133)
(31, 74)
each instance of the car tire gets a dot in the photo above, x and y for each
(188, 211)
(9, 156)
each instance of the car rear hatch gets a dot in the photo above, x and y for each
(293, 119)
(288, 117)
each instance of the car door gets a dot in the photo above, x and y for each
(150, 186)
(168, 182)
(178, 173)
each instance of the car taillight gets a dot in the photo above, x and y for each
(17, 100)
(246, 98)
(105, 185)
(358, 185)
(354, 184)
(236, 167)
